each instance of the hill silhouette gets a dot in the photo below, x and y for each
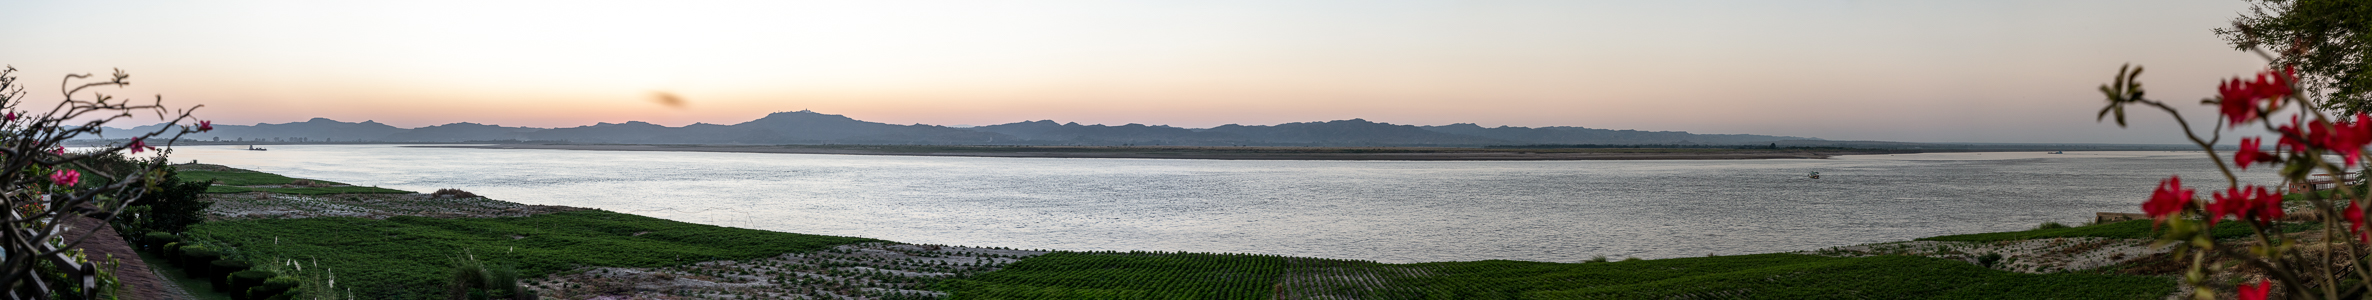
(808, 127)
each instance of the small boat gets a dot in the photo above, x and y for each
(2057, 152)
(1815, 175)
(253, 148)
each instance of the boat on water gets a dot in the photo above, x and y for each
(1815, 175)
(2057, 152)
(253, 148)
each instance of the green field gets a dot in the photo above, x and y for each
(1762, 276)
(232, 181)
(407, 257)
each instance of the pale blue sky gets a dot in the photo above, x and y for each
(1929, 71)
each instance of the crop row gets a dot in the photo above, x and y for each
(1070, 275)
(408, 257)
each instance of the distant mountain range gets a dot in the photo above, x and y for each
(807, 127)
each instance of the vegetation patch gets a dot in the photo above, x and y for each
(2135, 229)
(1071, 275)
(406, 257)
(857, 271)
(224, 189)
(229, 176)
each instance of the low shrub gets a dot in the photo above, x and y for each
(242, 281)
(220, 272)
(156, 240)
(452, 193)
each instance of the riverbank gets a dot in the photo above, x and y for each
(387, 246)
(1228, 153)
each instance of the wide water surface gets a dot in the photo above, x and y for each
(1388, 211)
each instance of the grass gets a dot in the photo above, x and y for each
(2135, 229)
(233, 181)
(406, 257)
(1073, 275)
(1070, 275)
(222, 189)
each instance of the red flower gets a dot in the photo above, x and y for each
(2239, 104)
(204, 125)
(2266, 203)
(2231, 201)
(2170, 198)
(2243, 100)
(2355, 222)
(2256, 291)
(65, 177)
(2249, 155)
(2347, 140)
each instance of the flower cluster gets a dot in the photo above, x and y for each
(65, 177)
(2255, 203)
(2347, 139)
(2244, 101)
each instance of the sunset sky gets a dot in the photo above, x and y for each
(1924, 71)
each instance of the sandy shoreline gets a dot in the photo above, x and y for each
(1223, 153)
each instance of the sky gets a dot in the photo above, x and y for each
(1918, 71)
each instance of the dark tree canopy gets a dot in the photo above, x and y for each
(2324, 39)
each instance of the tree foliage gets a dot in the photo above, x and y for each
(2328, 41)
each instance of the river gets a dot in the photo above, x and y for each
(1386, 211)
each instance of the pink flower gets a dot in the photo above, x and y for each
(2256, 291)
(12, 116)
(204, 125)
(138, 144)
(2249, 155)
(2170, 198)
(65, 177)
(60, 151)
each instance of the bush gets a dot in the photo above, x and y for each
(242, 281)
(221, 271)
(172, 253)
(2050, 225)
(156, 240)
(452, 193)
(274, 288)
(196, 259)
